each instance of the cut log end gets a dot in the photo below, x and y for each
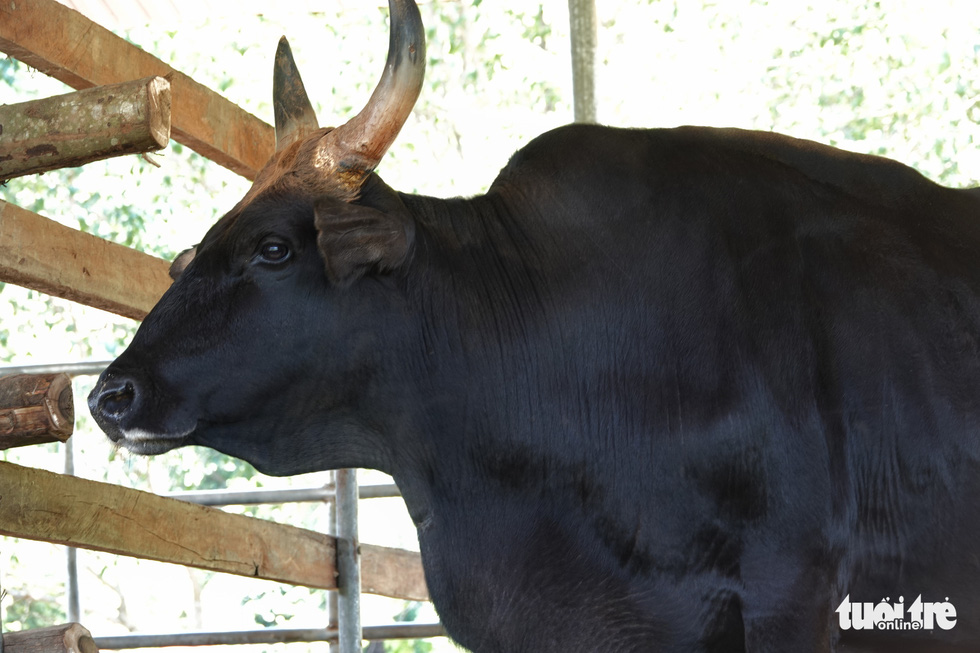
(35, 409)
(158, 95)
(67, 638)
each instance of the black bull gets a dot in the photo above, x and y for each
(656, 390)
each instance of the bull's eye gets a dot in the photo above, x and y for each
(273, 251)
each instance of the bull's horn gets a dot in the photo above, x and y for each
(295, 118)
(349, 153)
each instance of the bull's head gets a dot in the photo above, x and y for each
(262, 311)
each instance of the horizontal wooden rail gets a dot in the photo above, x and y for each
(66, 45)
(41, 254)
(392, 572)
(43, 506)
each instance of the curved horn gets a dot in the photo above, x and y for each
(295, 118)
(349, 153)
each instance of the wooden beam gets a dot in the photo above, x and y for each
(70, 130)
(35, 408)
(40, 505)
(41, 254)
(392, 572)
(67, 638)
(62, 43)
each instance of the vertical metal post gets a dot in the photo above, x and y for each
(2, 597)
(348, 563)
(74, 604)
(582, 25)
(332, 622)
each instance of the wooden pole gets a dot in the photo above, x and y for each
(35, 408)
(67, 638)
(70, 130)
(582, 23)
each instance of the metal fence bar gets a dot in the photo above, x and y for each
(379, 491)
(266, 636)
(287, 495)
(332, 622)
(253, 497)
(74, 604)
(71, 369)
(348, 563)
(583, 26)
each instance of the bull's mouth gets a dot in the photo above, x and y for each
(147, 443)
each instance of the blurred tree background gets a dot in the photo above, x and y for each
(900, 79)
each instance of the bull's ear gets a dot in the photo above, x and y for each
(181, 262)
(374, 235)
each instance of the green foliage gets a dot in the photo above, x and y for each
(9, 68)
(211, 471)
(276, 608)
(537, 28)
(408, 614)
(28, 600)
(26, 611)
(408, 646)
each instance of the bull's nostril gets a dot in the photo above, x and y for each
(116, 401)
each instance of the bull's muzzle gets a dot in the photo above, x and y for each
(111, 401)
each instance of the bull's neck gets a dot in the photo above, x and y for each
(471, 290)
(476, 292)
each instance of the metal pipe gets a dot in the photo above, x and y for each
(288, 495)
(379, 491)
(403, 631)
(2, 597)
(71, 369)
(266, 636)
(332, 594)
(348, 564)
(74, 603)
(251, 497)
(583, 27)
